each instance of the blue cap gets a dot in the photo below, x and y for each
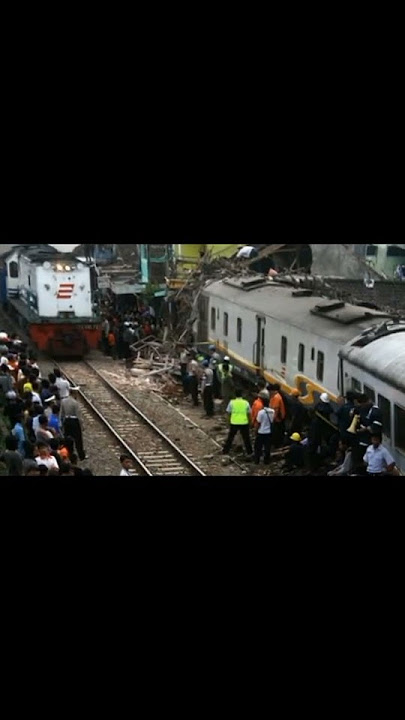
(206, 363)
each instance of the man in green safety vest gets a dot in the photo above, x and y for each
(225, 371)
(240, 413)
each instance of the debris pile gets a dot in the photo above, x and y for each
(183, 302)
(155, 365)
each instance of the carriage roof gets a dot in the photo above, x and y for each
(381, 354)
(314, 314)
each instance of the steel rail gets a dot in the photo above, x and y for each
(105, 422)
(156, 430)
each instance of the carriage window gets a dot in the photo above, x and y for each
(239, 330)
(226, 324)
(313, 354)
(369, 392)
(213, 318)
(14, 269)
(320, 366)
(301, 357)
(385, 407)
(356, 385)
(283, 350)
(399, 428)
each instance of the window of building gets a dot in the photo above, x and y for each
(13, 269)
(226, 324)
(399, 428)
(283, 350)
(213, 318)
(301, 357)
(218, 314)
(385, 407)
(29, 280)
(356, 385)
(313, 354)
(370, 393)
(320, 366)
(372, 251)
(239, 330)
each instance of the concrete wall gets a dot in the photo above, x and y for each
(335, 260)
(385, 294)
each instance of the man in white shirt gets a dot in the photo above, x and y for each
(127, 469)
(45, 457)
(377, 458)
(264, 419)
(247, 252)
(63, 386)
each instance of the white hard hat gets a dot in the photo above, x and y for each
(325, 397)
(226, 358)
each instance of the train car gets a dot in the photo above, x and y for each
(374, 363)
(51, 295)
(285, 335)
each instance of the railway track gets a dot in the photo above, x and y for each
(151, 450)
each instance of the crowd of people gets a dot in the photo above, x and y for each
(122, 329)
(320, 439)
(42, 417)
(45, 437)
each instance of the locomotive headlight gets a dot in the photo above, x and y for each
(67, 268)
(59, 267)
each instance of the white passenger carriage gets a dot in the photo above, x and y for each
(288, 336)
(374, 363)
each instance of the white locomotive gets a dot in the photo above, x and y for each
(309, 343)
(50, 293)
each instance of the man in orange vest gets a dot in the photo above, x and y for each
(258, 405)
(277, 404)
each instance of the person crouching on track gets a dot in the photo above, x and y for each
(240, 414)
(295, 457)
(70, 417)
(264, 421)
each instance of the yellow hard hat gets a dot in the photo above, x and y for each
(296, 437)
